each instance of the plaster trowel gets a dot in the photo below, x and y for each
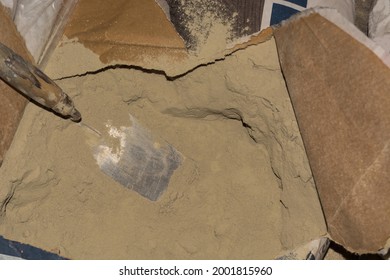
(141, 162)
(137, 159)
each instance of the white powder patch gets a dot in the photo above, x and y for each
(105, 154)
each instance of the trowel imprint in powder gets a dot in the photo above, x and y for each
(138, 162)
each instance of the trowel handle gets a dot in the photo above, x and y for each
(32, 82)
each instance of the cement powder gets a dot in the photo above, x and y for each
(244, 190)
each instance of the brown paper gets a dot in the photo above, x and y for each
(340, 92)
(12, 104)
(115, 32)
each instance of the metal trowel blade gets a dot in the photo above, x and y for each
(140, 162)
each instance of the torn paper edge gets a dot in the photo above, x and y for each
(336, 18)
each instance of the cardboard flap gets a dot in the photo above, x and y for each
(12, 103)
(340, 91)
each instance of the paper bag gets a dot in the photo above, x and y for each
(340, 91)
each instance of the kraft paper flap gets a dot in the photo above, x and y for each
(340, 91)
(12, 104)
(122, 29)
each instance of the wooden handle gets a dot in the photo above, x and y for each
(32, 82)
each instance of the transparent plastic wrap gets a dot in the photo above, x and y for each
(379, 24)
(40, 22)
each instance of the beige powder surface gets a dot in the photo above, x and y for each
(243, 191)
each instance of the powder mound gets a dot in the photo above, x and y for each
(243, 191)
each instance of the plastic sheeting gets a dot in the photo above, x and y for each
(39, 22)
(379, 24)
